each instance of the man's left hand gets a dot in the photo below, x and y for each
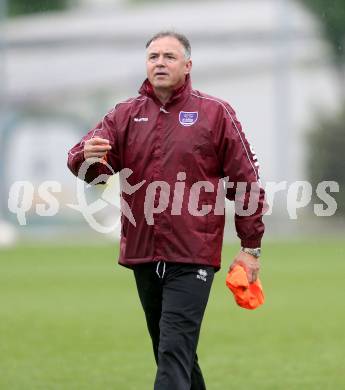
(250, 263)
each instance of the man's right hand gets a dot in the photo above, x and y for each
(96, 147)
(250, 263)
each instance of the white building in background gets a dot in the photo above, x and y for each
(98, 4)
(265, 57)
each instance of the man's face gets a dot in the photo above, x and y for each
(166, 64)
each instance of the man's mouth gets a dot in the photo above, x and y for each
(161, 74)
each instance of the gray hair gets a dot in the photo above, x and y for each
(180, 37)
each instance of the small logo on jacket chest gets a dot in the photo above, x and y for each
(142, 119)
(188, 118)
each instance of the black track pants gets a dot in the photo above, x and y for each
(174, 297)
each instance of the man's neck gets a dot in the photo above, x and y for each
(163, 95)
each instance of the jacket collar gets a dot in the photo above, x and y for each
(146, 89)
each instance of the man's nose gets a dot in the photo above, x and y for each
(160, 61)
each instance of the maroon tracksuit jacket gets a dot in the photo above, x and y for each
(193, 133)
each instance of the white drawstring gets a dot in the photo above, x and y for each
(162, 109)
(157, 269)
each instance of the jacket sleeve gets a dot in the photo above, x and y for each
(104, 129)
(241, 168)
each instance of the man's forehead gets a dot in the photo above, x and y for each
(165, 44)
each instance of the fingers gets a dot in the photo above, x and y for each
(97, 141)
(96, 147)
(250, 264)
(233, 264)
(253, 272)
(98, 155)
(253, 277)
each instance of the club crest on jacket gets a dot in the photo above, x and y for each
(188, 118)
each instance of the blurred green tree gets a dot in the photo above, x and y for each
(331, 14)
(327, 140)
(326, 158)
(22, 7)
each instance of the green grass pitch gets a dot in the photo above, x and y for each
(70, 318)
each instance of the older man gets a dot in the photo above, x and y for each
(188, 152)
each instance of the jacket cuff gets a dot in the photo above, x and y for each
(74, 162)
(251, 243)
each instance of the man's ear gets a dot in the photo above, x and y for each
(189, 65)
